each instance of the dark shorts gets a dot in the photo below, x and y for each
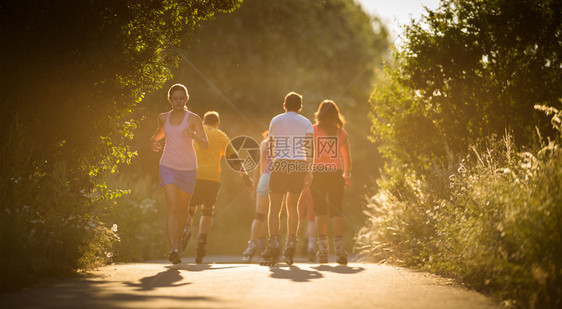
(283, 181)
(205, 193)
(327, 192)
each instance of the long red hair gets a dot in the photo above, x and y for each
(329, 118)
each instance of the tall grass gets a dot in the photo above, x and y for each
(493, 222)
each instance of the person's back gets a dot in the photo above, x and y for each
(330, 178)
(289, 131)
(208, 179)
(209, 160)
(291, 144)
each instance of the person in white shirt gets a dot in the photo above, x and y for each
(292, 152)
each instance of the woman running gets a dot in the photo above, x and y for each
(330, 177)
(178, 164)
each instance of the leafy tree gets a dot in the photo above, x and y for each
(467, 73)
(76, 69)
(268, 47)
(467, 70)
(73, 72)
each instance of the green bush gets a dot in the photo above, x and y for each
(492, 223)
(47, 228)
(139, 219)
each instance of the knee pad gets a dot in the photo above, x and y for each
(208, 211)
(259, 217)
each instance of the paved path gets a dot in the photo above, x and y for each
(226, 283)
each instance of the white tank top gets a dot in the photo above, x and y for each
(178, 153)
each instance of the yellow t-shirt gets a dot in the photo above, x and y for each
(209, 160)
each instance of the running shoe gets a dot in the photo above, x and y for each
(174, 257)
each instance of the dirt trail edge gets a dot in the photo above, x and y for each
(226, 283)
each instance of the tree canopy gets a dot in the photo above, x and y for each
(266, 48)
(467, 70)
(75, 70)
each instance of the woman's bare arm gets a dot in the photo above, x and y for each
(346, 161)
(196, 131)
(159, 134)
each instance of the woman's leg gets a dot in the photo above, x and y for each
(172, 202)
(320, 198)
(183, 214)
(336, 196)
(259, 228)
(337, 225)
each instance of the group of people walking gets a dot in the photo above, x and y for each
(295, 156)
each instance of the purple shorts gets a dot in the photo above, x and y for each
(185, 180)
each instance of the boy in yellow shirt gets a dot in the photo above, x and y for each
(208, 180)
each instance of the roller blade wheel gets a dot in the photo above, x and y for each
(342, 260)
(289, 254)
(268, 261)
(249, 252)
(269, 256)
(322, 257)
(312, 256)
(247, 258)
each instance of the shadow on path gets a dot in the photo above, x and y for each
(294, 273)
(166, 278)
(340, 269)
(200, 267)
(86, 293)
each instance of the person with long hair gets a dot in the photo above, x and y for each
(178, 164)
(330, 177)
